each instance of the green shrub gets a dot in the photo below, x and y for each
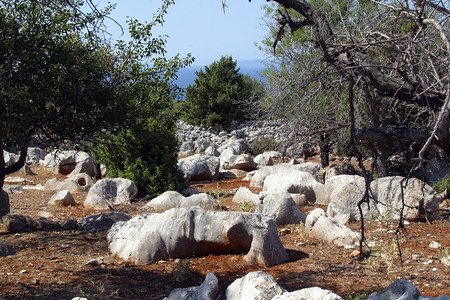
(182, 270)
(247, 207)
(441, 185)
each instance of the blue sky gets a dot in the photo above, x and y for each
(200, 27)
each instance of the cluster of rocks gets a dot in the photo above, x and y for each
(189, 224)
(15, 223)
(260, 285)
(201, 139)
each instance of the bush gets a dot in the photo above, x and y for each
(442, 185)
(147, 156)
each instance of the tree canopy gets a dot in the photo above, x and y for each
(220, 95)
(382, 65)
(61, 81)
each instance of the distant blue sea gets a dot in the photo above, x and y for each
(253, 68)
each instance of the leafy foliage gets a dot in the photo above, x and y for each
(442, 185)
(53, 74)
(61, 81)
(144, 147)
(216, 97)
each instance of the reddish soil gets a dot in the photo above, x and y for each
(52, 264)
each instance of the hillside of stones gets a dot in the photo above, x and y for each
(246, 222)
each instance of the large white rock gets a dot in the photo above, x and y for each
(108, 192)
(312, 293)
(281, 207)
(10, 157)
(200, 167)
(173, 199)
(240, 162)
(328, 229)
(312, 218)
(180, 232)
(35, 155)
(345, 192)
(62, 198)
(254, 285)
(69, 162)
(297, 182)
(238, 145)
(55, 184)
(263, 160)
(314, 169)
(420, 199)
(243, 194)
(208, 290)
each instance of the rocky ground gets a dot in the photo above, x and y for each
(53, 264)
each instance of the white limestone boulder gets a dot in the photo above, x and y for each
(173, 199)
(263, 160)
(108, 192)
(62, 198)
(208, 290)
(297, 182)
(69, 162)
(243, 194)
(312, 293)
(254, 285)
(327, 229)
(35, 155)
(280, 207)
(179, 233)
(212, 150)
(55, 184)
(200, 167)
(420, 198)
(345, 192)
(238, 145)
(314, 169)
(10, 158)
(240, 162)
(82, 179)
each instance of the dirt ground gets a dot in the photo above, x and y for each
(52, 264)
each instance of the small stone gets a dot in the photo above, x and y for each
(35, 281)
(95, 261)
(434, 269)
(64, 245)
(434, 245)
(23, 271)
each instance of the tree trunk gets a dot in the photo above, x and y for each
(381, 158)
